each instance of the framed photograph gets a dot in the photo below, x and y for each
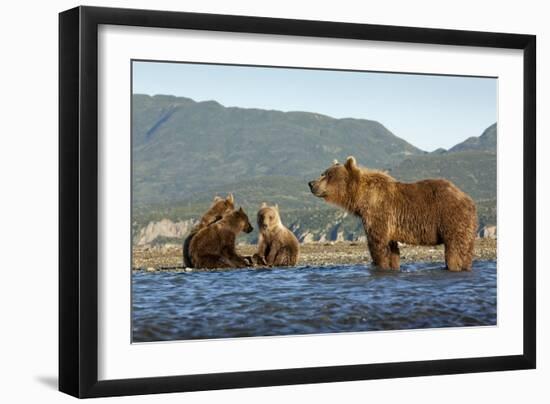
(250, 201)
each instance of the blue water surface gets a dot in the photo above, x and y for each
(309, 300)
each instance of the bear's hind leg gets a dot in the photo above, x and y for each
(459, 253)
(469, 256)
(283, 258)
(187, 261)
(394, 255)
(453, 258)
(211, 261)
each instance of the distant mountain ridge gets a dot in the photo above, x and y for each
(470, 164)
(180, 145)
(486, 142)
(185, 152)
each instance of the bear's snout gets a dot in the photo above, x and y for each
(314, 188)
(261, 223)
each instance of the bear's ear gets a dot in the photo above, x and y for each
(264, 205)
(217, 198)
(351, 164)
(230, 198)
(334, 162)
(276, 207)
(241, 210)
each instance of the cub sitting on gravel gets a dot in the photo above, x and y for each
(277, 245)
(219, 208)
(214, 246)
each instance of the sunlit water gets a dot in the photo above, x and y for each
(309, 300)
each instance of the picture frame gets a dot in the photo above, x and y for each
(78, 201)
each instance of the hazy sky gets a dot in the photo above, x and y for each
(427, 111)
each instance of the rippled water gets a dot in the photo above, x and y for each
(307, 300)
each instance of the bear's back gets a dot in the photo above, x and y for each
(436, 191)
(210, 238)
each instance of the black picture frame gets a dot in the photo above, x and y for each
(78, 201)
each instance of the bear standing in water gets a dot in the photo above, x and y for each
(277, 246)
(219, 208)
(427, 212)
(214, 246)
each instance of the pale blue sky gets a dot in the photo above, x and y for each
(427, 111)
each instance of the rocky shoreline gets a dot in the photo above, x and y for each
(168, 257)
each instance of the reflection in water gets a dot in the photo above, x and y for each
(309, 300)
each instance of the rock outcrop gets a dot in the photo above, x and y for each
(341, 229)
(163, 228)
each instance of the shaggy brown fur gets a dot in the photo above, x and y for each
(214, 245)
(219, 208)
(428, 212)
(277, 246)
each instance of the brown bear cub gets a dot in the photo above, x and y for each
(214, 246)
(428, 212)
(219, 208)
(277, 245)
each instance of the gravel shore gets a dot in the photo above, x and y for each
(169, 257)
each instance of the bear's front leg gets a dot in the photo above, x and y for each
(379, 252)
(257, 259)
(239, 262)
(235, 259)
(272, 255)
(378, 240)
(262, 250)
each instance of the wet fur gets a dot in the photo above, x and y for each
(428, 212)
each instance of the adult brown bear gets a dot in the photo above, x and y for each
(428, 212)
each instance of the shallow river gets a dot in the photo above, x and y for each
(309, 300)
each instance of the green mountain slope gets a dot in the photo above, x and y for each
(186, 152)
(180, 146)
(486, 142)
(472, 171)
